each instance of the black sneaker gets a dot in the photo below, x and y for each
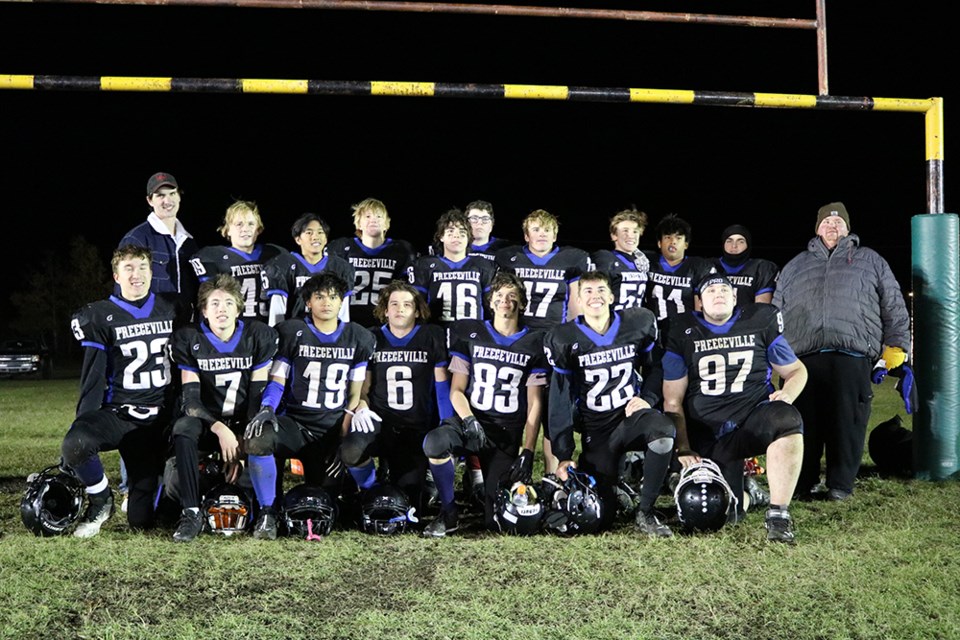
(266, 527)
(779, 526)
(189, 526)
(838, 495)
(98, 511)
(758, 497)
(650, 524)
(445, 523)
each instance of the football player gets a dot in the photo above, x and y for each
(755, 279)
(717, 387)
(453, 283)
(671, 288)
(285, 273)
(224, 363)
(318, 378)
(550, 275)
(243, 259)
(627, 265)
(409, 362)
(498, 372)
(603, 386)
(483, 245)
(376, 259)
(125, 390)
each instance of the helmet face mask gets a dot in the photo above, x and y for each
(308, 512)
(52, 503)
(385, 509)
(574, 506)
(226, 510)
(703, 497)
(518, 519)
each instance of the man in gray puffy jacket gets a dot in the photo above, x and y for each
(842, 309)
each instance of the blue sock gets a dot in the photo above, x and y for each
(364, 476)
(443, 476)
(90, 472)
(263, 474)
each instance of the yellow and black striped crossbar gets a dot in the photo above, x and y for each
(932, 107)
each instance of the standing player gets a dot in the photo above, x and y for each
(409, 362)
(453, 283)
(498, 372)
(755, 279)
(671, 289)
(243, 259)
(483, 245)
(224, 363)
(125, 390)
(626, 264)
(376, 259)
(717, 386)
(550, 275)
(603, 387)
(318, 378)
(285, 273)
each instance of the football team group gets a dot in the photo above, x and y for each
(380, 372)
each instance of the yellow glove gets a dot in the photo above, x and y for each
(894, 357)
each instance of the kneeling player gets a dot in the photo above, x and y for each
(124, 389)
(318, 377)
(602, 384)
(498, 372)
(717, 372)
(409, 361)
(224, 363)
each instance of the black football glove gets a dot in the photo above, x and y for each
(907, 387)
(264, 418)
(476, 437)
(522, 468)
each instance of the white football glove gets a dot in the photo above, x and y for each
(363, 421)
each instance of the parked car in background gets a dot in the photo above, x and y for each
(24, 356)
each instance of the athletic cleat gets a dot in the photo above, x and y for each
(445, 523)
(189, 526)
(779, 526)
(266, 526)
(650, 524)
(838, 495)
(98, 512)
(758, 497)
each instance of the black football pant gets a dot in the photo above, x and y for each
(495, 459)
(140, 443)
(402, 449)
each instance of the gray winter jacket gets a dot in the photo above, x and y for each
(847, 300)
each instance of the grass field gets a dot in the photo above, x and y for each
(885, 564)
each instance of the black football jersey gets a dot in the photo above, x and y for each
(728, 366)
(225, 368)
(500, 369)
(373, 270)
(210, 262)
(546, 280)
(671, 290)
(628, 276)
(606, 370)
(284, 275)
(752, 278)
(453, 290)
(135, 340)
(488, 250)
(318, 369)
(402, 380)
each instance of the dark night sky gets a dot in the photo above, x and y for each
(76, 162)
